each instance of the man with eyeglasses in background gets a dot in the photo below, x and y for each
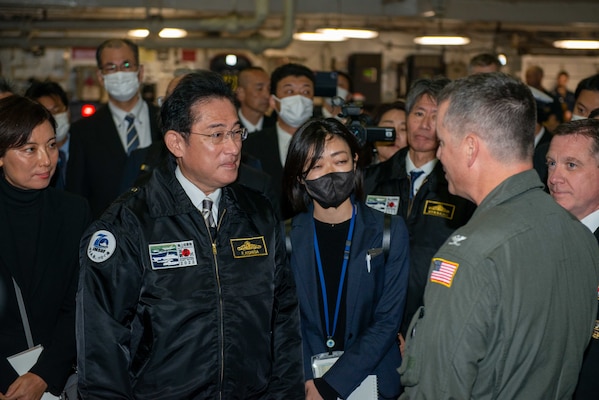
(100, 144)
(185, 292)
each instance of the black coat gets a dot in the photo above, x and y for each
(434, 215)
(207, 320)
(49, 295)
(97, 158)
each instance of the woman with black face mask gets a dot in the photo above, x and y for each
(351, 287)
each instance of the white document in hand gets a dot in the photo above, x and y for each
(368, 389)
(25, 360)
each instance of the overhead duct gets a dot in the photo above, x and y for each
(232, 24)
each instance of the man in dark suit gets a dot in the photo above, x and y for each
(100, 144)
(253, 94)
(573, 161)
(292, 94)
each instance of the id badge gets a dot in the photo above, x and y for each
(322, 362)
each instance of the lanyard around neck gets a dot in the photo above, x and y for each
(330, 342)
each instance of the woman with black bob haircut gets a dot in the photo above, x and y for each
(351, 285)
(39, 254)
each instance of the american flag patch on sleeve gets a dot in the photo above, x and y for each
(443, 271)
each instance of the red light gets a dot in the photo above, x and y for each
(87, 110)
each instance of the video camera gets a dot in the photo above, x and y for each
(358, 123)
(361, 124)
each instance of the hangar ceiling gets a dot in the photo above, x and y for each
(530, 26)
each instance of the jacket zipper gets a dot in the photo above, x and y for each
(220, 305)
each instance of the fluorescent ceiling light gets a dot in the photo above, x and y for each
(138, 33)
(172, 33)
(350, 33)
(442, 40)
(319, 37)
(577, 44)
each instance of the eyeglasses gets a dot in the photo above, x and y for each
(237, 135)
(125, 67)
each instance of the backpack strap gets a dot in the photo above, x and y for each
(386, 235)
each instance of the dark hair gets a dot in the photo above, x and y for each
(6, 86)
(425, 86)
(584, 127)
(499, 108)
(307, 145)
(19, 116)
(289, 70)
(116, 43)
(196, 87)
(484, 60)
(39, 89)
(382, 108)
(594, 113)
(590, 83)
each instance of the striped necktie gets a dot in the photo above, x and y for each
(207, 212)
(132, 136)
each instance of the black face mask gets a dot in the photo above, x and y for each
(332, 189)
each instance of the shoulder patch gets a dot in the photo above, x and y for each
(443, 271)
(101, 246)
(439, 209)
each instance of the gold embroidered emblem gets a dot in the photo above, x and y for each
(248, 247)
(596, 330)
(438, 209)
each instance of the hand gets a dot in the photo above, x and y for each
(26, 387)
(311, 391)
(402, 344)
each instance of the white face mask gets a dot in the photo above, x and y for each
(62, 125)
(295, 110)
(576, 117)
(121, 86)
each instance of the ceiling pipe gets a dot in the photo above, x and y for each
(257, 43)
(231, 23)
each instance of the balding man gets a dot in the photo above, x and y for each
(510, 300)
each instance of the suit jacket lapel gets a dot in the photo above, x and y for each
(303, 247)
(363, 235)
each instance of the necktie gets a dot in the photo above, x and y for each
(207, 212)
(414, 174)
(132, 136)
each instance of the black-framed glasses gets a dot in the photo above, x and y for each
(110, 68)
(236, 135)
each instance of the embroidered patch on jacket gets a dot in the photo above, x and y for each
(249, 247)
(443, 271)
(101, 246)
(386, 204)
(456, 239)
(172, 255)
(438, 209)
